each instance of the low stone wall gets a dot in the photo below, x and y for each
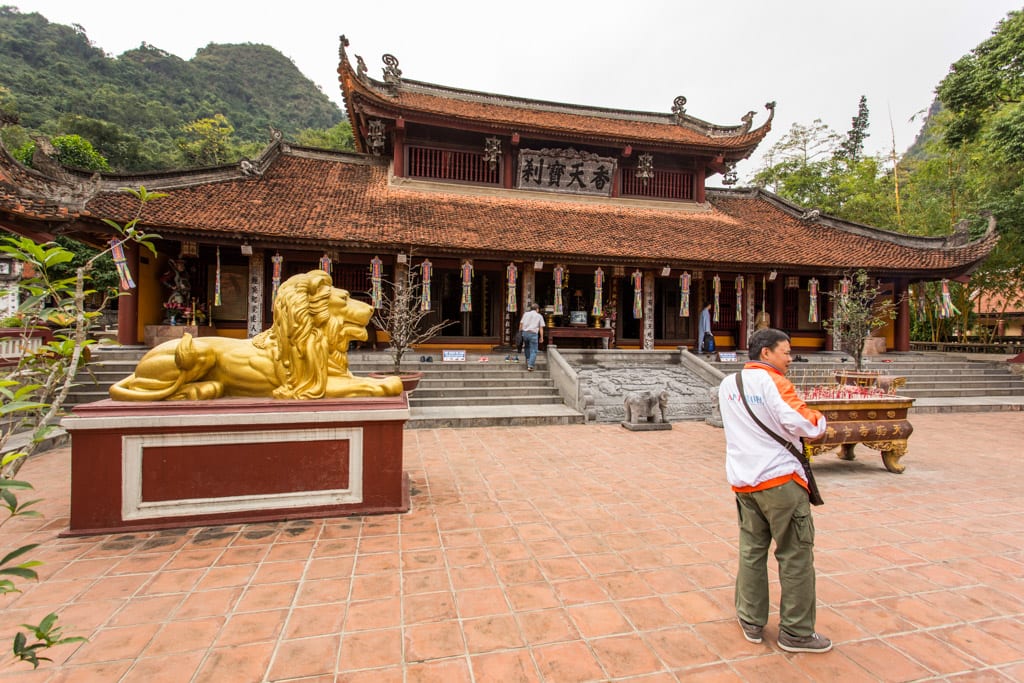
(605, 377)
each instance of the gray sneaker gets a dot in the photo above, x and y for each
(751, 632)
(812, 643)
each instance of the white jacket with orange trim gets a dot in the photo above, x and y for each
(752, 457)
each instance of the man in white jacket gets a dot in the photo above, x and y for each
(771, 494)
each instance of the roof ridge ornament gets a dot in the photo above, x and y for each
(392, 74)
(730, 177)
(679, 108)
(361, 69)
(748, 120)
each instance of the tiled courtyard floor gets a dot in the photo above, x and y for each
(569, 553)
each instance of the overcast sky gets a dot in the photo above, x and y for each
(815, 58)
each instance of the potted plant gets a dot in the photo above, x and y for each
(403, 316)
(857, 311)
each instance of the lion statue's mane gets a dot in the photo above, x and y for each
(302, 355)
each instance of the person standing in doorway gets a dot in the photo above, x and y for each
(771, 493)
(532, 328)
(704, 328)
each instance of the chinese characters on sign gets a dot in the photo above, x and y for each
(565, 170)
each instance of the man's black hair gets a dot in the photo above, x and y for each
(768, 338)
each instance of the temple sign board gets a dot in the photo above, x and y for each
(565, 171)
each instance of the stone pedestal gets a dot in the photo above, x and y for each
(154, 335)
(154, 465)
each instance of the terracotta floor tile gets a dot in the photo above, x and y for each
(427, 581)
(697, 606)
(439, 671)
(315, 620)
(680, 648)
(252, 627)
(208, 603)
(981, 645)
(370, 649)
(568, 662)
(324, 567)
(626, 655)
(934, 653)
(282, 552)
(428, 607)
(873, 618)
(599, 620)
(433, 641)
(305, 657)
(371, 586)
(224, 577)
(771, 668)
(473, 577)
(514, 666)
(547, 626)
(323, 591)
(480, 602)
(240, 662)
(487, 634)
(169, 669)
(101, 672)
(177, 581)
(184, 636)
(373, 614)
(147, 610)
(115, 643)
(532, 596)
(883, 661)
(377, 563)
(580, 591)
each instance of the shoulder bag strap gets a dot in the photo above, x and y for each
(812, 486)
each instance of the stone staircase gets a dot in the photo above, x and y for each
(474, 393)
(110, 363)
(930, 377)
(462, 394)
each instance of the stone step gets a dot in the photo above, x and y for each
(491, 416)
(472, 394)
(463, 401)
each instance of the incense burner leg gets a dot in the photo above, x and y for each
(846, 451)
(892, 451)
(891, 459)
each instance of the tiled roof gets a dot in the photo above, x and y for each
(539, 118)
(30, 195)
(348, 202)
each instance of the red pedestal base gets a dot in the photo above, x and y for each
(155, 465)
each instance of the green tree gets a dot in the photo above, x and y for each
(857, 312)
(32, 396)
(71, 150)
(852, 148)
(207, 142)
(337, 137)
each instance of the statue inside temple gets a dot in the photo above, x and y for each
(302, 356)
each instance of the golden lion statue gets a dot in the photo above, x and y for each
(302, 356)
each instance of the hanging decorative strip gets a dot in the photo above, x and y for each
(597, 309)
(216, 283)
(812, 293)
(764, 292)
(684, 295)
(426, 272)
(844, 288)
(922, 301)
(739, 297)
(638, 294)
(947, 309)
(121, 264)
(325, 263)
(376, 276)
(466, 305)
(558, 273)
(511, 276)
(717, 282)
(275, 276)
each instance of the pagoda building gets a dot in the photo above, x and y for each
(601, 216)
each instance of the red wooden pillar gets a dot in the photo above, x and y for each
(398, 144)
(741, 342)
(777, 302)
(128, 302)
(901, 331)
(699, 177)
(826, 286)
(507, 171)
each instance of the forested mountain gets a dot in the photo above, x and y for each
(133, 108)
